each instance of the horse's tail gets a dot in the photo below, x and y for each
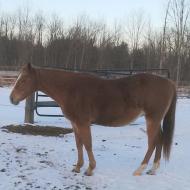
(168, 127)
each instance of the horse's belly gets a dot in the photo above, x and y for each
(118, 120)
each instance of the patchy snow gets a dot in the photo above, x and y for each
(36, 162)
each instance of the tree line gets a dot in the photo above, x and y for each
(89, 44)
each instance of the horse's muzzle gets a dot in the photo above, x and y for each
(13, 101)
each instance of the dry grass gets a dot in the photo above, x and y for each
(28, 129)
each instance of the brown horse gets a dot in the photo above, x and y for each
(87, 99)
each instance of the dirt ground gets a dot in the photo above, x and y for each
(28, 129)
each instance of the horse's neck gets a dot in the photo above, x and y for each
(48, 81)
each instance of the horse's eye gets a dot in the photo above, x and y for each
(20, 82)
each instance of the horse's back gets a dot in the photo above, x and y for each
(147, 84)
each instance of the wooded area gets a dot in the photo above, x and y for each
(88, 44)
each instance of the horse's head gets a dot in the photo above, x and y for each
(25, 84)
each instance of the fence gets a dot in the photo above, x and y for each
(7, 78)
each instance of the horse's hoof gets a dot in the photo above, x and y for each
(137, 173)
(88, 173)
(76, 170)
(151, 172)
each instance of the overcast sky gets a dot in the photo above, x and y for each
(109, 10)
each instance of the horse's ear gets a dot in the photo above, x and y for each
(29, 66)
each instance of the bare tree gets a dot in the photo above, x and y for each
(7, 25)
(1, 25)
(163, 45)
(12, 22)
(23, 22)
(55, 28)
(134, 31)
(179, 14)
(39, 27)
(117, 33)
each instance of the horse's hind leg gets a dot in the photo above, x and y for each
(152, 131)
(158, 153)
(79, 145)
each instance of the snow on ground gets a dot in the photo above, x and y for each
(36, 162)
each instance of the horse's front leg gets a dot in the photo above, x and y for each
(85, 136)
(79, 146)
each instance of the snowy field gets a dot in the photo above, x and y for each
(36, 162)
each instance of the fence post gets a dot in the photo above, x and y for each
(29, 109)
